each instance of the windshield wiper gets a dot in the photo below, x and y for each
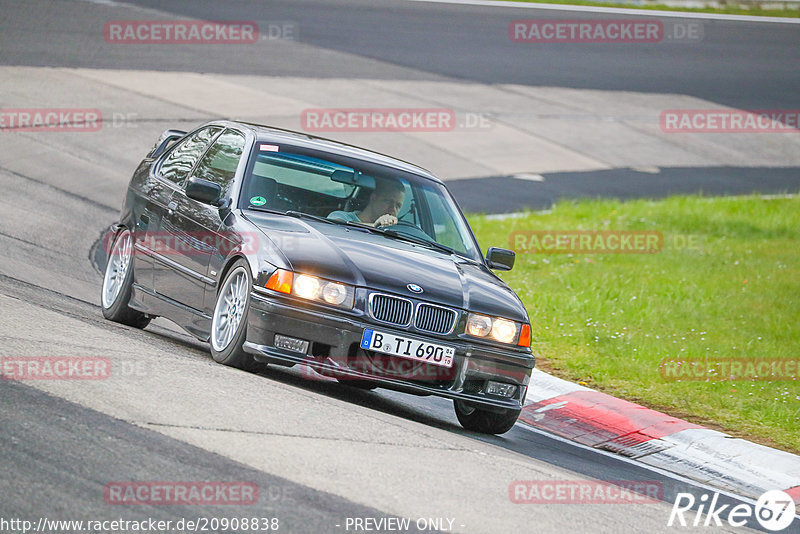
(265, 210)
(403, 237)
(419, 240)
(427, 243)
(296, 214)
(394, 234)
(363, 226)
(303, 215)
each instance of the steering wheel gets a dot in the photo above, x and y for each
(405, 227)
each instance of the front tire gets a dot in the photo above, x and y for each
(485, 421)
(118, 282)
(229, 321)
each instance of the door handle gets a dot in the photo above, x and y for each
(171, 207)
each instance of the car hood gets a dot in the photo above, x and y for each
(358, 257)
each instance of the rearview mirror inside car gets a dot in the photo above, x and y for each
(353, 178)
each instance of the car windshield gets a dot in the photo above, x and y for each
(351, 191)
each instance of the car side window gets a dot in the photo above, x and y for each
(181, 159)
(220, 161)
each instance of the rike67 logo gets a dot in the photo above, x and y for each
(774, 511)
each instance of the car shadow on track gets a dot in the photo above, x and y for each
(411, 407)
(437, 413)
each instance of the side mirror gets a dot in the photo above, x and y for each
(500, 259)
(203, 191)
(164, 141)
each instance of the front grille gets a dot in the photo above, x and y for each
(434, 319)
(390, 309)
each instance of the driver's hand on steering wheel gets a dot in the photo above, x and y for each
(385, 220)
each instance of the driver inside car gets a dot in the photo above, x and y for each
(384, 203)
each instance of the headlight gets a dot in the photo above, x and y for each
(504, 330)
(310, 287)
(479, 325)
(496, 328)
(334, 293)
(306, 287)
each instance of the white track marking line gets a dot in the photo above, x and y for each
(616, 11)
(668, 474)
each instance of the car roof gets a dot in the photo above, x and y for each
(278, 135)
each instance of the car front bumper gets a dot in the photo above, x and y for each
(334, 337)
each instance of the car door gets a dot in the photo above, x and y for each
(169, 176)
(195, 226)
(149, 205)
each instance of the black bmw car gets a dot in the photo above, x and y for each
(281, 248)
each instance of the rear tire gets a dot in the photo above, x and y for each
(229, 321)
(118, 283)
(482, 420)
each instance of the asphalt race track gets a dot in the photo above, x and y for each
(581, 119)
(741, 64)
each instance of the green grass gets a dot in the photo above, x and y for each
(609, 319)
(734, 8)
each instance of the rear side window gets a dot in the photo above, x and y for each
(220, 162)
(181, 159)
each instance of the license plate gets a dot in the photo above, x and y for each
(406, 347)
